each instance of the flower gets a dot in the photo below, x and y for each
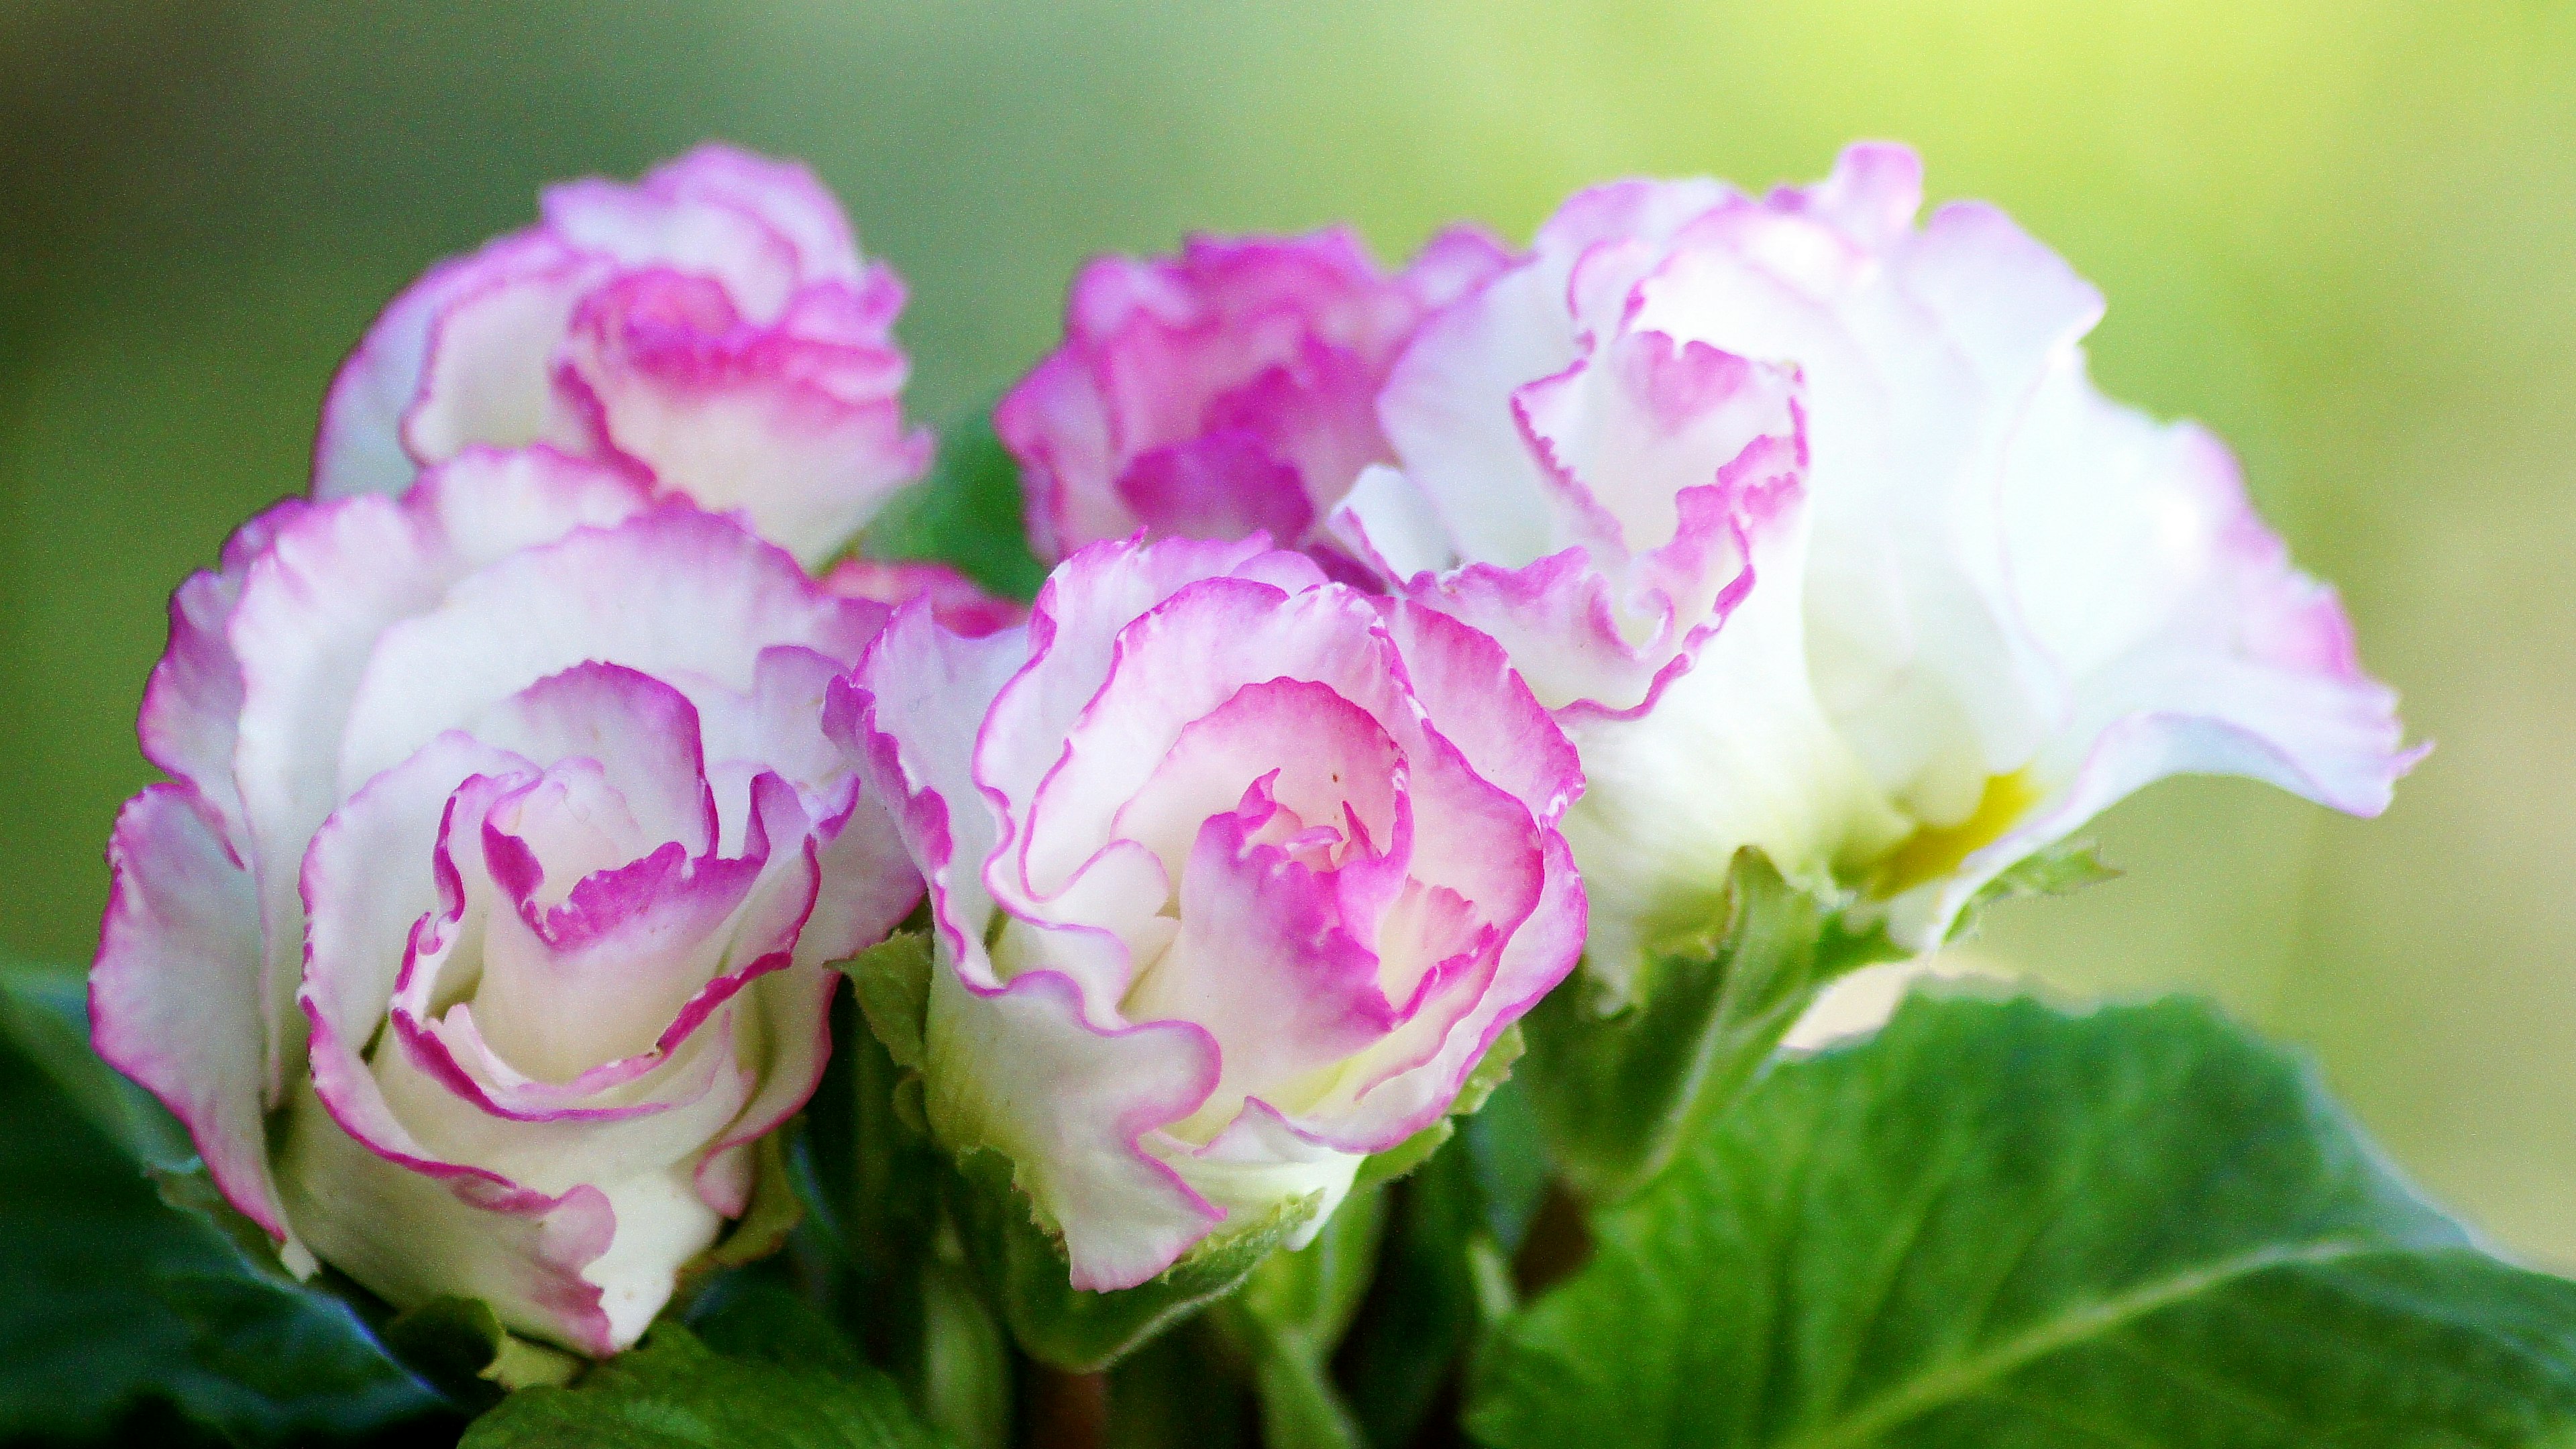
(1235, 874)
(1812, 528)
(1229, 389)
(711, 329)
(484, 924)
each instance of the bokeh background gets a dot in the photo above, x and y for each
(2343, 232)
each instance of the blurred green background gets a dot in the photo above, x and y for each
(2341, 231)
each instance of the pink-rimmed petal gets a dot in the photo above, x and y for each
(1022, 1068)
(1263, 964)
(417, 1232)
(190, 723)
(675, 591)
(174, 996)
(642, 732)
(800, 430)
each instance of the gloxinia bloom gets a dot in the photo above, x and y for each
(711, 329)
(1235, 874)
(485, 924)
(1228, 389)
(1812, 528)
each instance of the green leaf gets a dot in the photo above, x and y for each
(1995, 1225)
(1492, 1070)
(967, 513)
(44, 1012)
(1026, 1276)
(674, 1393)
(1617, 1093)
(110, 1297)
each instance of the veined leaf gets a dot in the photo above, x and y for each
(674, 1393)
(1993, 1225)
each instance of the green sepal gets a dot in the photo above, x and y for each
(676, 1393)
(1993, 1223)
(1617, 1088)
(968, 512)
(454, 1342)
(1025, 1273)
(2059, 869)
(892, 979)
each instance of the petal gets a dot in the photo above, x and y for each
(675, 591)
(1021, 1069)
(360, 446)
(1223, 485)
(802, 432)
(190, 723)
(2188, 642)
(313, 606)
(642, 733)
(378, 869)
(174, 997)
(1072, 636)
(487, 371)
(1446, 407)
(1264, 966)
(909, 716)
(1262, 1160)
(414, 1235)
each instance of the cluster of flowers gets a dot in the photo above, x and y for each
(1410, 638)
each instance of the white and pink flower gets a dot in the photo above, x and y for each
(1229, 389)
(711, 329)
(1810, 525)
(1235, 872)
(485, 924)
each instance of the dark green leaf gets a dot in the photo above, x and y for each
(674, 1393)
(966, 513)
(1617, 1093)
(1994, 1225)
(110, 1297)
(459, 1345)
(44, 1012)
(1025, 1274)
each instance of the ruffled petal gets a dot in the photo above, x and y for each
(174, 997)
(673, 592)
(1022, 1069)
(800, 429)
